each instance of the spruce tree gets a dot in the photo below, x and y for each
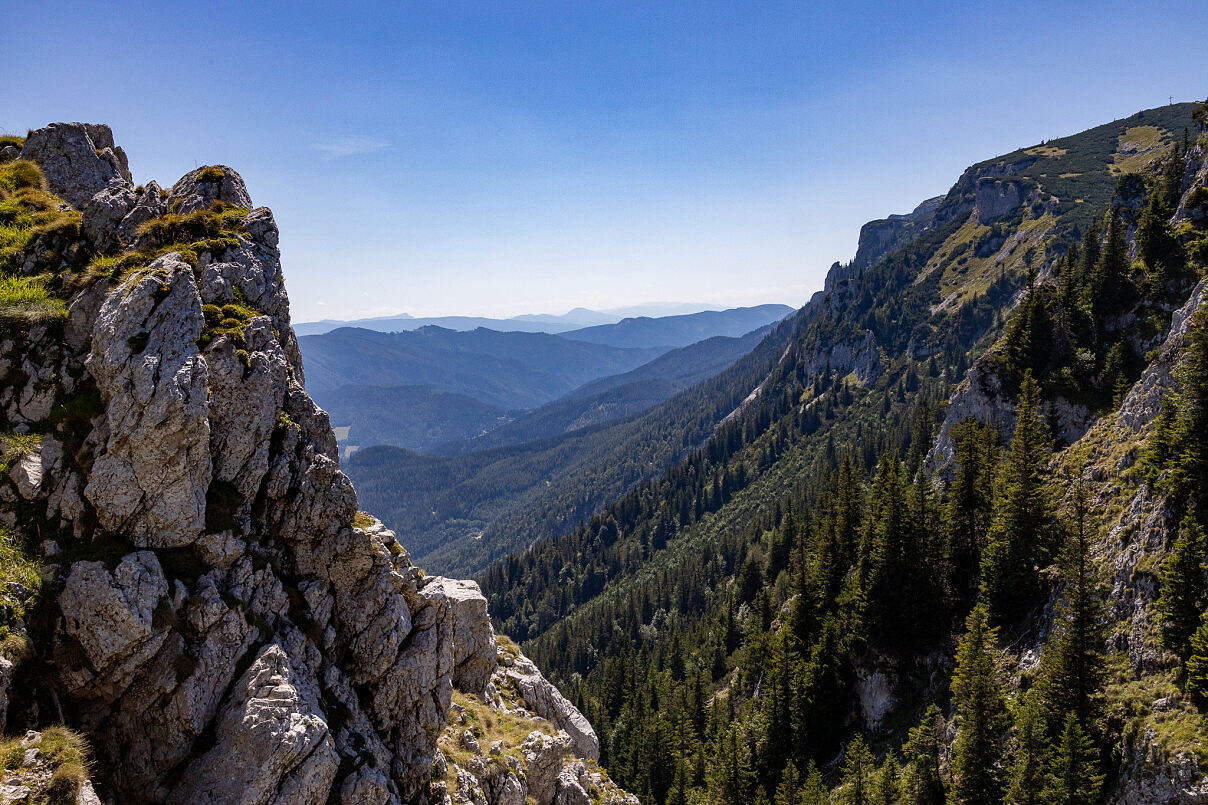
(975, 448)
(1019, 534)
(856, 783)
(1191, 459)
(1074, 661)
(1109, 290)
(789, 790)
(1030, 764)
(921, 781)
(1184, 592)
(812, 790)
(1196, 667)
(980, 715)
(886, 788)
(1074, 776)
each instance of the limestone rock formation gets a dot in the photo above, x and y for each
(79, 160)
(216, 615)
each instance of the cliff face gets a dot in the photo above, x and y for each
(215, 614)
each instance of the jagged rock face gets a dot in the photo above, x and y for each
(220, 629)
(218, 626)
(79, 160)
(995, 199)
(473, 638)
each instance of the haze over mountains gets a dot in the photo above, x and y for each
(422, 387)
(529, 322)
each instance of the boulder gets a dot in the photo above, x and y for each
(151, 481)
(473, 638)
(200, 188)
(79, 160)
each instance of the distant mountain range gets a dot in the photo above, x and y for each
(508, 370)
(528, 323)
(424, 388)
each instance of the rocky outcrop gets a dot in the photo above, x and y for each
(79, 160)
(480, 762)
(995, 198)
(473, 638)
(214, 620)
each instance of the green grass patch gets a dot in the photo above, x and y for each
(211, 173)
(17, 564)
(190, 235)
(29, 212)
(11, 139)
(25, 301)
(361, 520)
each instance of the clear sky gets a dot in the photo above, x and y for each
(500, 158)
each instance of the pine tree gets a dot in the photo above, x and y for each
(789, 790)
(1184, 592)
(1073, 664)
(1029, 768)
(980, 715)
(969, 503)
(1197, 667)
(812, 791)
(1074, 776)
(856, 784)
(921, 782)
(1019, 534)
(886, 788)
(1109, 289)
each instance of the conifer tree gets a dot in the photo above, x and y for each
(921, 782)
(980, 715)
(1109, 289)
(969, 503)
(1197, 667)
(1019, 533)
(1030, 765)
(1184, 592)
(1158, 451)
(1074, 776)
(1074, 661)
(1191, 446)
(856, 783)
(886, 788)
(812, 790)
(789, 790)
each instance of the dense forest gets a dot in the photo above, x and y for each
(819, 602)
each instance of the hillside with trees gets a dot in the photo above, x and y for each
(953, 549)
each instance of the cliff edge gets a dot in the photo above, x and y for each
(191, 584)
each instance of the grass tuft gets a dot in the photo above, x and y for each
(211, 173)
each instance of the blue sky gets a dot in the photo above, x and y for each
(502, 158)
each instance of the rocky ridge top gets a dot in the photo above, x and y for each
(215, 614)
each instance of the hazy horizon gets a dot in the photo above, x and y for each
(459, 159)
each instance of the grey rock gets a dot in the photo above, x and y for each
(265, 732)
(548, 702)
(152, 479)
(473, 638)
(152, 202)
(996, 198)
(7, 669)
(110, 616)
(26, 473)
(104, 212)
(78, 159)
(196, 191)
